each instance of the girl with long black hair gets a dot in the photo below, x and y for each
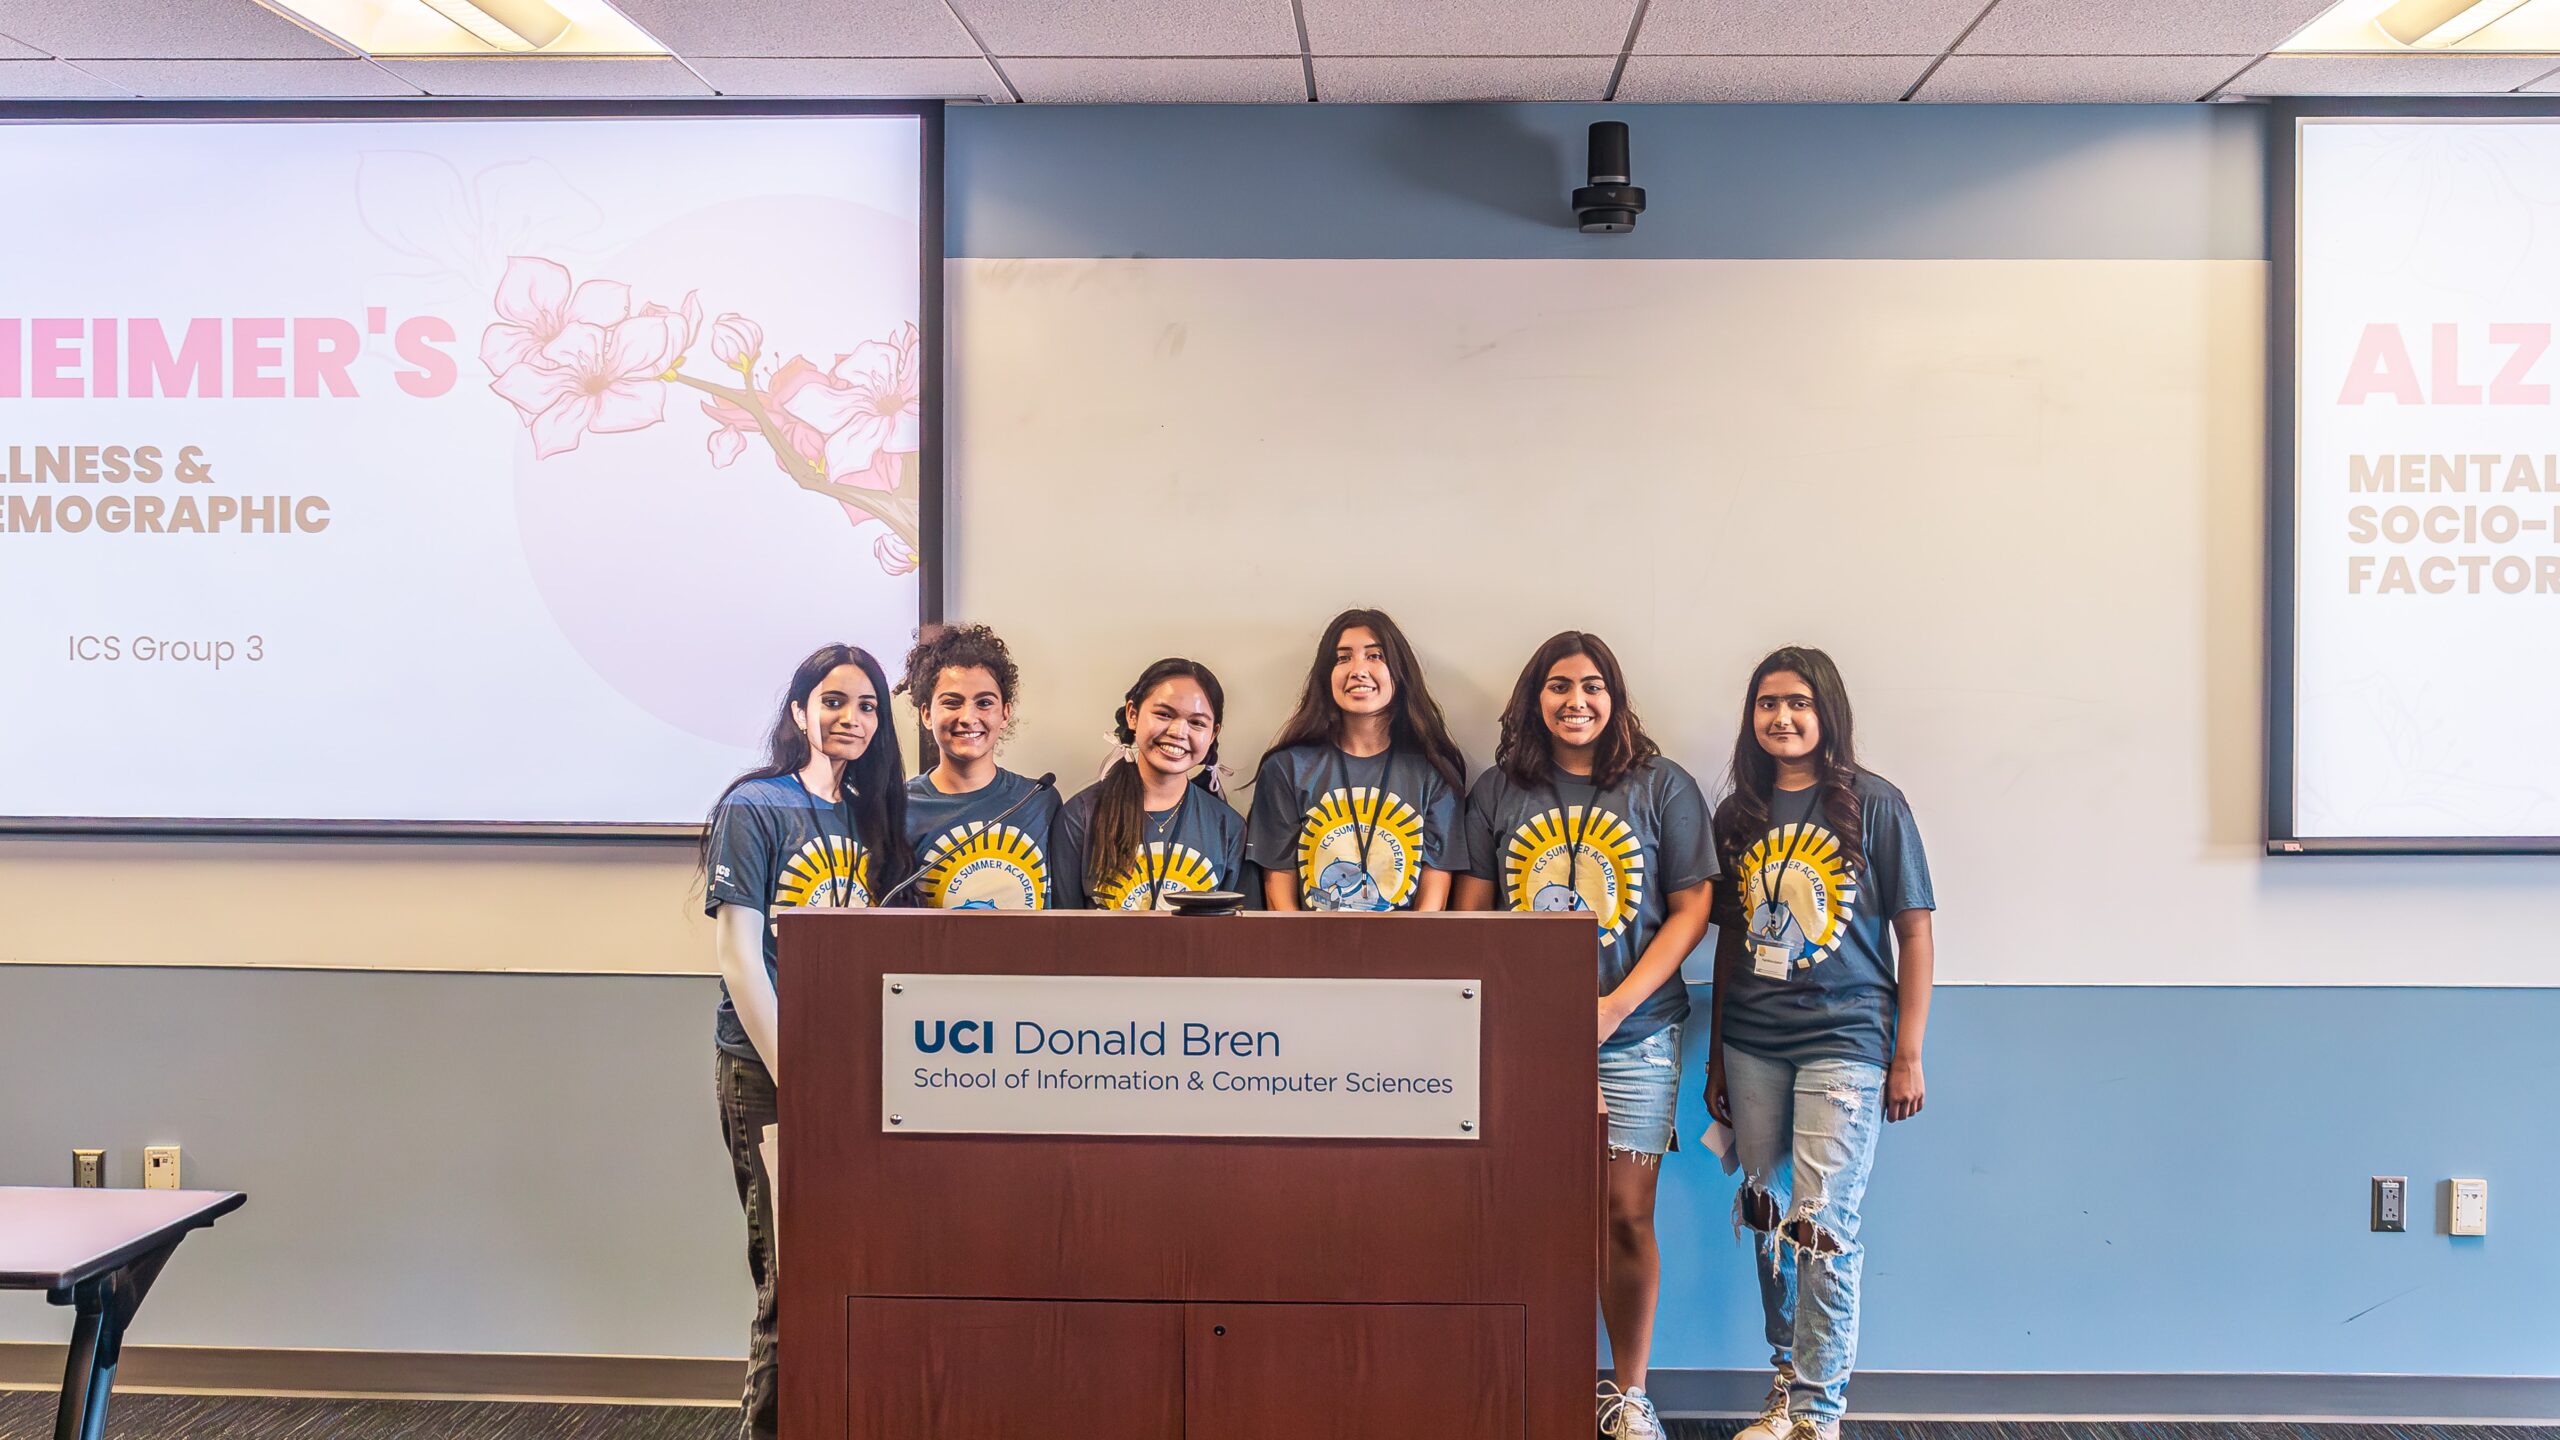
(1582, 812)
(1151, 828)
(1355, 805)
(1823, 975)
(963, 680)
(821, 823)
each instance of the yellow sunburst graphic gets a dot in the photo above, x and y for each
(1183, 871)
(1539, 870)
(975, 868)
(1329, 849)
(829, 869)
(1797, 892)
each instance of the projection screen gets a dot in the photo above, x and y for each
(2415, 544)
(460, 472)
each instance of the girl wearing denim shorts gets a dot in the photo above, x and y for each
(1581, 812)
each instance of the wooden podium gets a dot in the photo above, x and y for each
(987, 1287)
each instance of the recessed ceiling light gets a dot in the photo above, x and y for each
(524, 24)
(2442, 27)
(2434, 23)
(474, 27)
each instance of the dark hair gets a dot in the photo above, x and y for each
(1526, 750)
(1414, 720)
(953, 647)
(1120, 810)
(1744, 816)
(876, 779)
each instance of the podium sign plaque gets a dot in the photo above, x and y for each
(1273, 1057)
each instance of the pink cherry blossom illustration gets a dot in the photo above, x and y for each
(736, 341)
(575, 360)
(690, 313)
(803, 440)
(593, 378)
(868, 407)
(892, 553)
(536, 303)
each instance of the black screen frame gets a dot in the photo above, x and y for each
(931, 348)
(2284, 243)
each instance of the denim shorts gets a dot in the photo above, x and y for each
(1641, 1082)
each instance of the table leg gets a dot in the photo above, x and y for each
(71, 1421)
(102, 1308)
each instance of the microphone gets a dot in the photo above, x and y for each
(1046, 782)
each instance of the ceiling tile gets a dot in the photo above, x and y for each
(1797, 27)
(12, 50)
(2079, 79)
(2153, 27)
(250, 79)
(1467, 27)
(1402, 79)
(1080, 80)
(53, 80)
(2388, 74)
(153, 29)
(1133, 27)
(801, 28)
(896, 79)
(561, 76)
(1775, 79)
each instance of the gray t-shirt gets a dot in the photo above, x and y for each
(1196, 845)
(1832, 925)
(1319, 812)
(774, 846)
(1565, 844)
(968, 866)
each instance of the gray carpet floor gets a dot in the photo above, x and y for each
(29, 1416)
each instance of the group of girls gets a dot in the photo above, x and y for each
(1811, 868)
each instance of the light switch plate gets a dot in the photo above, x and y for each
(2470, 1207)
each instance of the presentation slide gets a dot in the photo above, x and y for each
(2426, 582)
(441, 470)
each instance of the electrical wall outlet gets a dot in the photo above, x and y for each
(160, 1167)
(2391, 1202)
(2470, 1209)
(88, 1169)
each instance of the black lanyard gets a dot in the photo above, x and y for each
(1159, 868)
(1774, 874)
(1364, 836)
(839, 888)
(1576, 826)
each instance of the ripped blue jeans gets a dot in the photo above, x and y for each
(1806, 1135)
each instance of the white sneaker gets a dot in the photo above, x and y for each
(1605, 1402)
(1628, 1414)
(1772, 1424)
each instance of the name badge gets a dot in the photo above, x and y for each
(1772, 959)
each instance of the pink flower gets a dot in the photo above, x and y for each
(892, 553)
(538, 304)
(593, 378)
(730, 441)
(691, 315)
(867, 407)
(736, 340)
